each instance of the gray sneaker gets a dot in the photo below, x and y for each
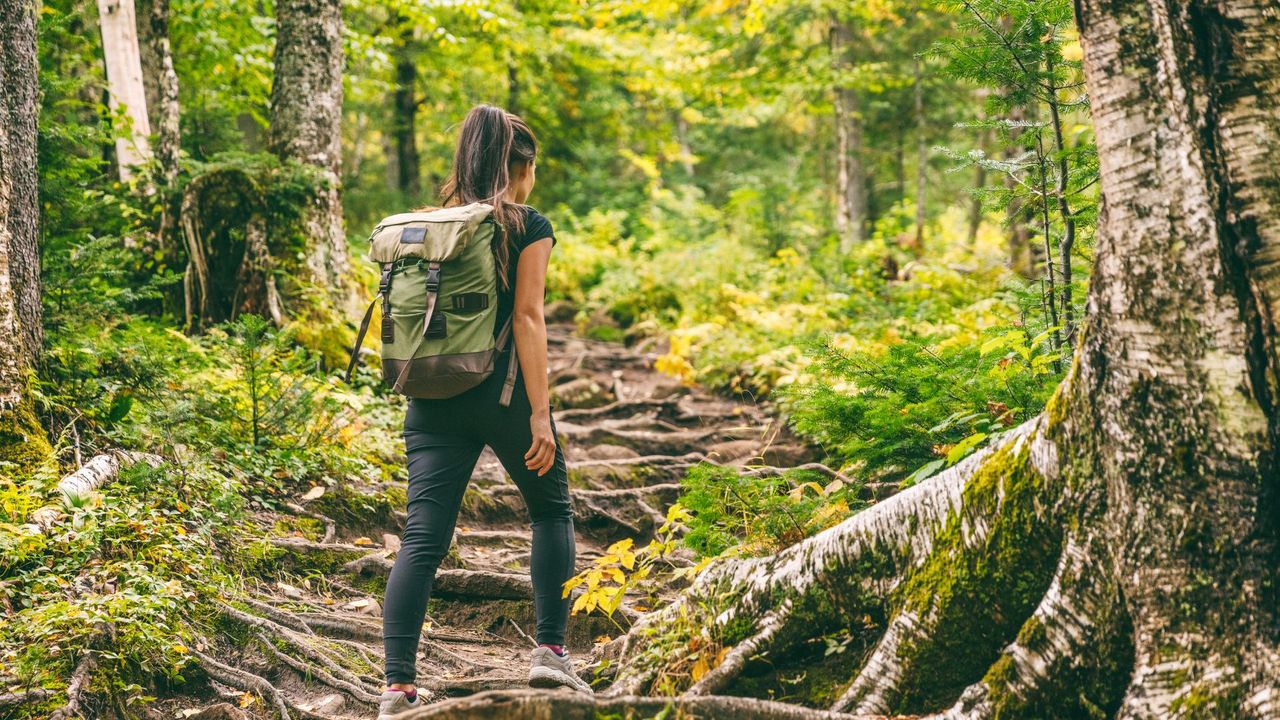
(549, 670)
(394, 703)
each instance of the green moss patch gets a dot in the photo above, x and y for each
(984, 592)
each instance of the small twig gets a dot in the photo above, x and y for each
(522, 633)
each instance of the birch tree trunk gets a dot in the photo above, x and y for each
(306, 117)
(22, 440)
(1116, 556)
(119, 24)
(162, 86)
(851, 181)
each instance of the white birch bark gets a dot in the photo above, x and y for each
(119, 24)
(99, 471)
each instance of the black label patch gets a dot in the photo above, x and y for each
(413, 235)
(438, 327)
(470, 301)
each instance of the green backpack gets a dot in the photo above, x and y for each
(439, 295)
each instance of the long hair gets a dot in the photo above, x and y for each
(491, 145)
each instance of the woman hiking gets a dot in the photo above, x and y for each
(494, 163)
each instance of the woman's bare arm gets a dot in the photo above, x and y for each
(529, 325)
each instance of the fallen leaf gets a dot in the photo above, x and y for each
(314, 493)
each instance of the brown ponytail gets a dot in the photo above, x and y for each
(491, 144)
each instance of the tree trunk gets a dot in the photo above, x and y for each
(851, 181)
(22, 440)
(306, 116)
(1018, 213)
(979, 183)
(682, 140)
(229, 271)
(1115, 556)
(513, 88)
(922, 156)
(118, 21)
(404, 128)
(1177, 409)
(162, 92)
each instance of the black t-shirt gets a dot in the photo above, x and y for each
(536, 227)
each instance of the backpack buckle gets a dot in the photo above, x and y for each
(384, 283)
(433, 277)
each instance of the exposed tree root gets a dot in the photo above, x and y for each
(867, 556)
(361, 691)
(617, 409)
(685, 460)
(324, 662)
(26, 696)
(330, 527)
(344, 629)
(649, 442)
(607, 514)
(76, 689)
(1057, 645)
(567, 705)
(882, 673)
(243, 681)
(736, 659)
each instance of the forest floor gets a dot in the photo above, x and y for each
(310, 643)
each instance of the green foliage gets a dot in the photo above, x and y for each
(918, 404)
(760, 515)
(123, 575)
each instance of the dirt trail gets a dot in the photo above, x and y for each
(628, 432)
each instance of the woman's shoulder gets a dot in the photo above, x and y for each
(536, 226)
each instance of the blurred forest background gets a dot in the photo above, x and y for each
(876, 215)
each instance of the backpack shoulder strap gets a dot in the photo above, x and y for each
(433, 288)
(513, 363)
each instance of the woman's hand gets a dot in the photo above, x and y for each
(542, 453)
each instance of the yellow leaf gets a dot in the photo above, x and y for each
(247, 699)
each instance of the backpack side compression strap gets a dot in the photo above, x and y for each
(355, 351)
(388, 327)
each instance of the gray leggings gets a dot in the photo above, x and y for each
(443, 441)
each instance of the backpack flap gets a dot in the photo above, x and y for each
(434, 235)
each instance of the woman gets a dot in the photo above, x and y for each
(494, 163)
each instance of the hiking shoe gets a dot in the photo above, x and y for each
(394, 703)
(549, 670)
